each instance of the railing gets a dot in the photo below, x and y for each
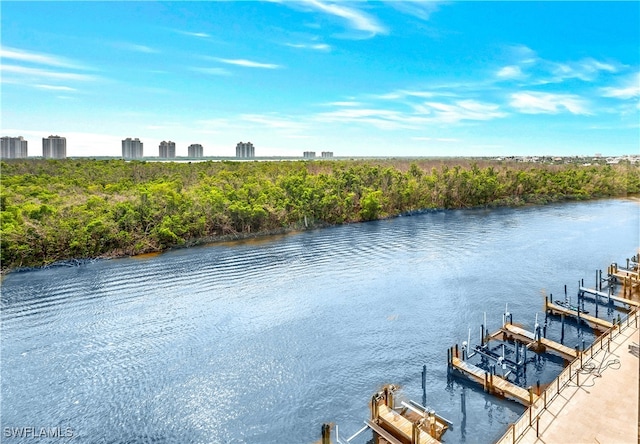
(530, 418)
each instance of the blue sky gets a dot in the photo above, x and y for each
(380, 78)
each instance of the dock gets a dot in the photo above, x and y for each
(391, 424)
(609, 297)
(493, 383)
(408, 423)
(596, 323)
(513, 332)
(592, 401)
(629, 277)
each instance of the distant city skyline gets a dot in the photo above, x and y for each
(380, 78)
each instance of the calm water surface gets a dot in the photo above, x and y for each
(263, 341)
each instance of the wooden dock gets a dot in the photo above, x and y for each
(512, 332)
(493, 383)
(596, 323)
(399, 427)
(607, 296)
(628, 277)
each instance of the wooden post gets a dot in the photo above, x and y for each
(579, 353)
(513, 429)
(530, 405)
(544, 394)
(326, 434)
(537, 426)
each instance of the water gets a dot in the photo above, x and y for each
(263, 341)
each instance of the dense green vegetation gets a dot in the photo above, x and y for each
(52, 210)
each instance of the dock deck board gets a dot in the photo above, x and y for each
(527, 337)
(597, 323)
(500, 385)
(613, 298)
(402, 425)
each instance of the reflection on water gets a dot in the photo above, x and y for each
(262, 342)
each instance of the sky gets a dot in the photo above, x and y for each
(358, 78)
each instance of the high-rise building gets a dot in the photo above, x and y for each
(167, 150)
(54, 147)
(13, 147)
(131, 148)
(195, 150)
(327, 154)
(245, 150)
(309, 154)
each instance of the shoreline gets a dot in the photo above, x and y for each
(232, 237)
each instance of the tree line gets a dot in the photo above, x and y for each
(51, 210)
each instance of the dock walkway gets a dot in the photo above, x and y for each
(597, 323)
(607, 296)
(493, 383)
(513, 332)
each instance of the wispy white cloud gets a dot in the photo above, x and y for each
(526, 63)
(135, 47)
(38, 73)
(533, 102)
(202, 35)
(404, 94)
(415, 116)
(249, 63)
(510, 72)
(55, 88)
(357, 19)
(461, 110)
(628, 89)
(586, 70)
(419, 9)
(22, 55)
(314, 46)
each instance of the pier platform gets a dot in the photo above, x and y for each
(596, 323)
(607, 296)
(402, 428)
(604, 408)
(493, 383)
(513, 332)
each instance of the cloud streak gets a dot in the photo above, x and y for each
(249, 63)
(21, 55)
(39, 73)
(628, 89)
(314, 46)
(136, 48)
(531, 102)
(357, 20)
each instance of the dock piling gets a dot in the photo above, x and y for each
(326, 433)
